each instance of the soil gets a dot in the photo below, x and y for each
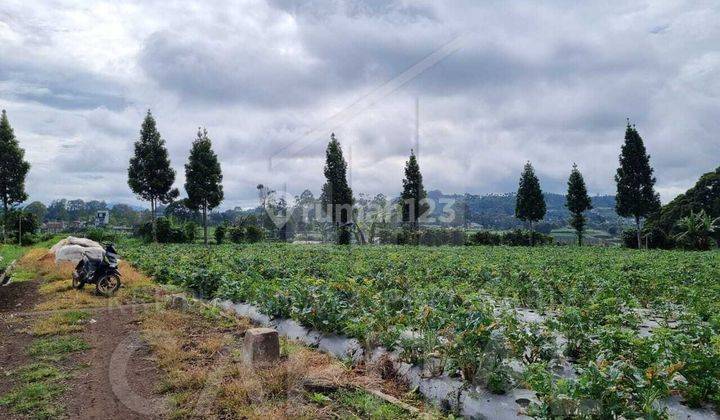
(91, 393)
(15, 297)
(115, 331)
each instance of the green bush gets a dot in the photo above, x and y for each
(101, 235)
(513, 238)
(254, 234)
(485, 237)
(166, 232)
(190, 231)
(220, 232)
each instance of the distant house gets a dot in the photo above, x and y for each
(77, 224)
(55, 226)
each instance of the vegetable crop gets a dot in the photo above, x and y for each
(635, 326)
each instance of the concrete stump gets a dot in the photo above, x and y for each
(177, 302)
(261, 346)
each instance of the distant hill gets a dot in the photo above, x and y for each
(497, 211)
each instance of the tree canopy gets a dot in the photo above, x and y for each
(203, 178)
(337, 195)
(578, 201)
(150, 175)
(636, 196)
(413, 194)
(13, 169)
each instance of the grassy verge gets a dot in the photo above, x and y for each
(203, 346)
(57, 291)
(40, 383)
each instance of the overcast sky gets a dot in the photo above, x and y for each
(498, 83)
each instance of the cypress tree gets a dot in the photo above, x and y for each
(530, 202)
(636, 196)
(150, 176)
(203, 178)
(413, 195)
(13, 170)
(577, 202)
(336, 193)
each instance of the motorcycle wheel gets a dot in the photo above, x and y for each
(76, 282)
(107, 285)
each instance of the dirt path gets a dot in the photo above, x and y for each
(93, 391)
(15, 297)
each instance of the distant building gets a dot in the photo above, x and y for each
(102, 218)
(56, 226)
(77, 224)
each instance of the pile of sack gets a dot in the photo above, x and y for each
(73, 249)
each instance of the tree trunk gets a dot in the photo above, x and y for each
(153, 221)
(20, 229)
(637, 229)
(205, 223)
(579, 235)
(5, 218)
(532, 239)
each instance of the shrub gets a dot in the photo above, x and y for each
(254, 234)
(190, 231)
(101, 235)
(220, 232)
(166, 232)
(485, 237)
(520, 237)
(237, 234)
(29, 239)
(654, 238)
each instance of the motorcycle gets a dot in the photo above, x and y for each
(103, 272)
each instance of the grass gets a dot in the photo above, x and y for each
(204, 345)
(35, 398)
(136, 288)
(40, 384)
(55, 348)
(61, 323)
(40, 372)
(365, 405)
(8, 254)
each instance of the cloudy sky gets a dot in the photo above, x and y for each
(498, 83)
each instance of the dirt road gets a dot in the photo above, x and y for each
(87, 378)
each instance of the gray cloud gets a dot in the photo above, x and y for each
(548, 82)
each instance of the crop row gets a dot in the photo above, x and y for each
(455, 311)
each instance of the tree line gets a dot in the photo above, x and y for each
(151, 177)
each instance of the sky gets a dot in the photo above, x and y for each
(498, 83)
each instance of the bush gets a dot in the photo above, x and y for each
(428, 237)
(522, 238)
(514, 238)
(254, 234)
(166, 232)
(190, 230)
(29, 239)
(220, 232)
(237, 234)
(21, 220)
(485, 237)
(654, 238)
(100, 235)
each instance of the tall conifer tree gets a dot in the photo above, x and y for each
(150, 176)
(577, 202)
(13, 170)
(337, 195)
(530, 205)
(413, 195)
(203, 178)
(636, 196)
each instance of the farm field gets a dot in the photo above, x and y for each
(594, 331)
